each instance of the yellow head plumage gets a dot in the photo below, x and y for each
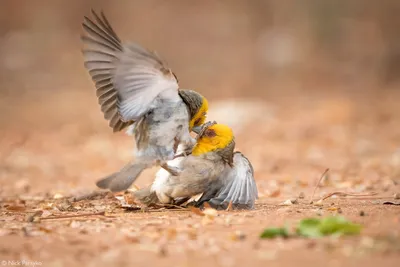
(197, 107)
(214, 137)
(200, 117)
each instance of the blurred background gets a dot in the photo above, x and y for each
(303, 83)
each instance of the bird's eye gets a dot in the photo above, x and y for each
(210, 133)
(197, 122)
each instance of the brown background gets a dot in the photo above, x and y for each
(306, 85)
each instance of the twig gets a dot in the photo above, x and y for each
(344, 194)
(319, 182)
(164, 210)
(169, 205)
(88, 196)
(73, 216)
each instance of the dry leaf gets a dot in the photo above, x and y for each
(129, 199)
(58, 196)
(210, 212)
(44, 229)
(287, 202)
(319, 203)
(196, 211)
(209, 215)
(16, 208)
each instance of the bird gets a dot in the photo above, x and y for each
(213, 169)
(137, 91)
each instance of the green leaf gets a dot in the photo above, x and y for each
(273, 232)
(309, 228)
(333, 225)
(339, 225)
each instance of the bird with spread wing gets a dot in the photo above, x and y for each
(137, 90)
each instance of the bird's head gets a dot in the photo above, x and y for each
(215, 137)
(197, 106)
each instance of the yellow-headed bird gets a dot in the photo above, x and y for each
(136, 88)
(213, 170)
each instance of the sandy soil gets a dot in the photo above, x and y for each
(290, 140)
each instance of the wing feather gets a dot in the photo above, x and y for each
(240, 186)
(128, 77)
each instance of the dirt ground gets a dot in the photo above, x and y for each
(290, 141)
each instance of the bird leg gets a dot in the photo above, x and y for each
(172, 170)
(183, 154)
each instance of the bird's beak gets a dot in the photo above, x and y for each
(197, 129)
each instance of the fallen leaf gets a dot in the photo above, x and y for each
(332, 209)
(287, 202)
(58, 196)
(318, 203)
(196, 211)
(274, 232)
(44, 229)
(333, 225)
(210, 212)
(16, 208)
(209, 215)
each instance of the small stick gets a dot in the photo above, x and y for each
(344, 194)
(319, 181)
(170, 205)
(73, 216)
(88, 196)
(166, 210)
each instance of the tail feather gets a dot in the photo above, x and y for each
(122, 180)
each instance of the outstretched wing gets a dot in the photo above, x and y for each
(239, 185)
(128, 77)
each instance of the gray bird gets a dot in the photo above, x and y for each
(213, 170)
(136, 89)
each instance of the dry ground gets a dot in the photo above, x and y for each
(47, 157)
